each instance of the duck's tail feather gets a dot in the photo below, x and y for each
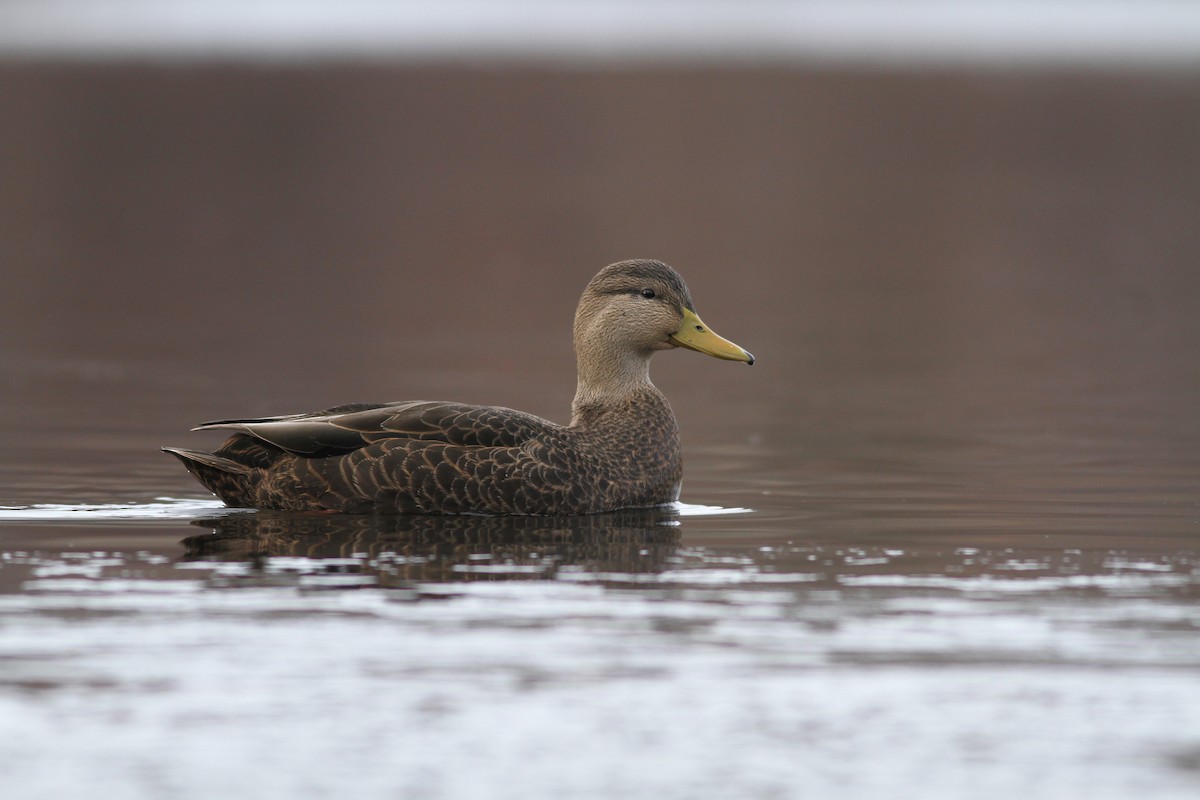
(232, 482)
(194, 458)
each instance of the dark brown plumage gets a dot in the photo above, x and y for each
(621, 449)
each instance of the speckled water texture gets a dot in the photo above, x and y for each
(643, 661)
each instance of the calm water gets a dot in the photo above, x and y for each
(945, 534)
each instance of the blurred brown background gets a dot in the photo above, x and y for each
(950, 247)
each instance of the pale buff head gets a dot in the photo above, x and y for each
(631, 307)
(628, 311)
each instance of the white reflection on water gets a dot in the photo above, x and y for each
(557, 689)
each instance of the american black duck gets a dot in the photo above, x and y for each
(620, 450)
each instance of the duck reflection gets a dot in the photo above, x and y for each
(401, 550)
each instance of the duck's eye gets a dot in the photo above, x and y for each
(647, 293)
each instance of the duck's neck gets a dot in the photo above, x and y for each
(609, 380)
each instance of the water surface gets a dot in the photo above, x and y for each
(943, 535)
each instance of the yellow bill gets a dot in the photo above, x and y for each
(695, 335)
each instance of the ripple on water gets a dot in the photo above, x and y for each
(165, 508)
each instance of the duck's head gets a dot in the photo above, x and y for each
(632, 308)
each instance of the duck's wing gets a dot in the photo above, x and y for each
(346, 428)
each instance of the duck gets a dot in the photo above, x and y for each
(620, 450)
